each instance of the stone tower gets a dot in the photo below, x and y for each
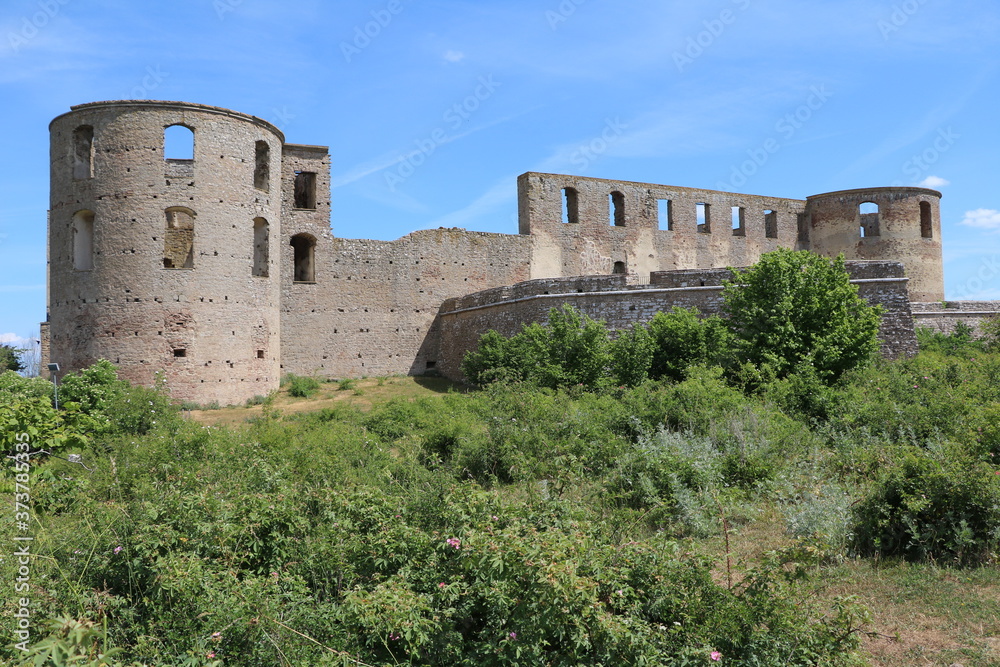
(167, 261)
(897, 223)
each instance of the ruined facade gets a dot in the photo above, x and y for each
(216, 266)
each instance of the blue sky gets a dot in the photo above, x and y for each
(431, 108)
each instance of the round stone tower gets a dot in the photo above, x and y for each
(162, 255)
(898, 223)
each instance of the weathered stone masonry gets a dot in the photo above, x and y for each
(218, 268)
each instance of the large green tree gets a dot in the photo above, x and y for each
(10, 358)
(794, 309)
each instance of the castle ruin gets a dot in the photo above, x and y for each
(219, 270)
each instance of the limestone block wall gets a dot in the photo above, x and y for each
(463, 320)
(584, 226)
(905, 228)
(372, 308)
(944, 315)
(210, 326)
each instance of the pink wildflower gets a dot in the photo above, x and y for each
(715, 655)
(454, 542)
(216, 636)
(118, 549)
(441, 585)
(513, 636)
(210, 654)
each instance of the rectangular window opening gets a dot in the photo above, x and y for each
(738, 227)
(571, 206)
(771, 224)
(260, 354)
(305, 190)
(180, 352)
(665, 214)
(704, 217)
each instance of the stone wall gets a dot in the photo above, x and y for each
(944, 315)
(462, 320)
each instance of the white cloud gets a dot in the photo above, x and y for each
(454, 56)
(14, 340)
(934, 182)
(983, 218)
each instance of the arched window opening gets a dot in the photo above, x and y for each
(178, 143)
(571, 206)
(178, 238)
(83, 152)
(304, 247)
(738, 228)
(869, 219)
(262, 166)
(926, 226)
(616, 209)
(260, 247)
(771, 224)
(83, 241)
(305, 190)
(618, 268)
(703, 215)
(665, 214)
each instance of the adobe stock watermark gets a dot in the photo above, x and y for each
(151, 81)
(365, 34)
(985, 275)
(900, 16)
(918, 165)
(21, 549)
(785, 129)
(698, 44)
(455, 116)
(282, 118)
(223, 7)
(588, 153)
(33, 24)
(562, 13)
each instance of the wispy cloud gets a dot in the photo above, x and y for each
(982, 218)
(934, 182)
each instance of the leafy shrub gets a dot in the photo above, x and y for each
(795, 307)
(301, 386)
(960, 342)
(822, 516)
(941, 507)
(681, 338)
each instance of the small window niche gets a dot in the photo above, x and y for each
(180, 352)
(618, 268)
(665, 214)
(178, 238)
(305, 190)
(703, 214)
(739, 229)
(868, 212)
(926, 223)
(304, 255)
(83, 240)
(83, 152)
(570, 206)
(260, 354)
(261, 251)
(616, 209)
(803, 222)
(262, 166)
(771, 224)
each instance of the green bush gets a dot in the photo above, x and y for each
(794, 308)
(301, 386)
(942, 507)
(681, 338)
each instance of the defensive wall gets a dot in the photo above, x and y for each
(218, 269)
(610, 298)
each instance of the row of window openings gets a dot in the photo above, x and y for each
(178, 148)
(868, 212)
(181, 352)
(178, 241)
(665, 214)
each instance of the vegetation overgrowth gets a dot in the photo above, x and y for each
(553, 519)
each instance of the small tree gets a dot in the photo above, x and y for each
(10, 358)
(794, 308)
